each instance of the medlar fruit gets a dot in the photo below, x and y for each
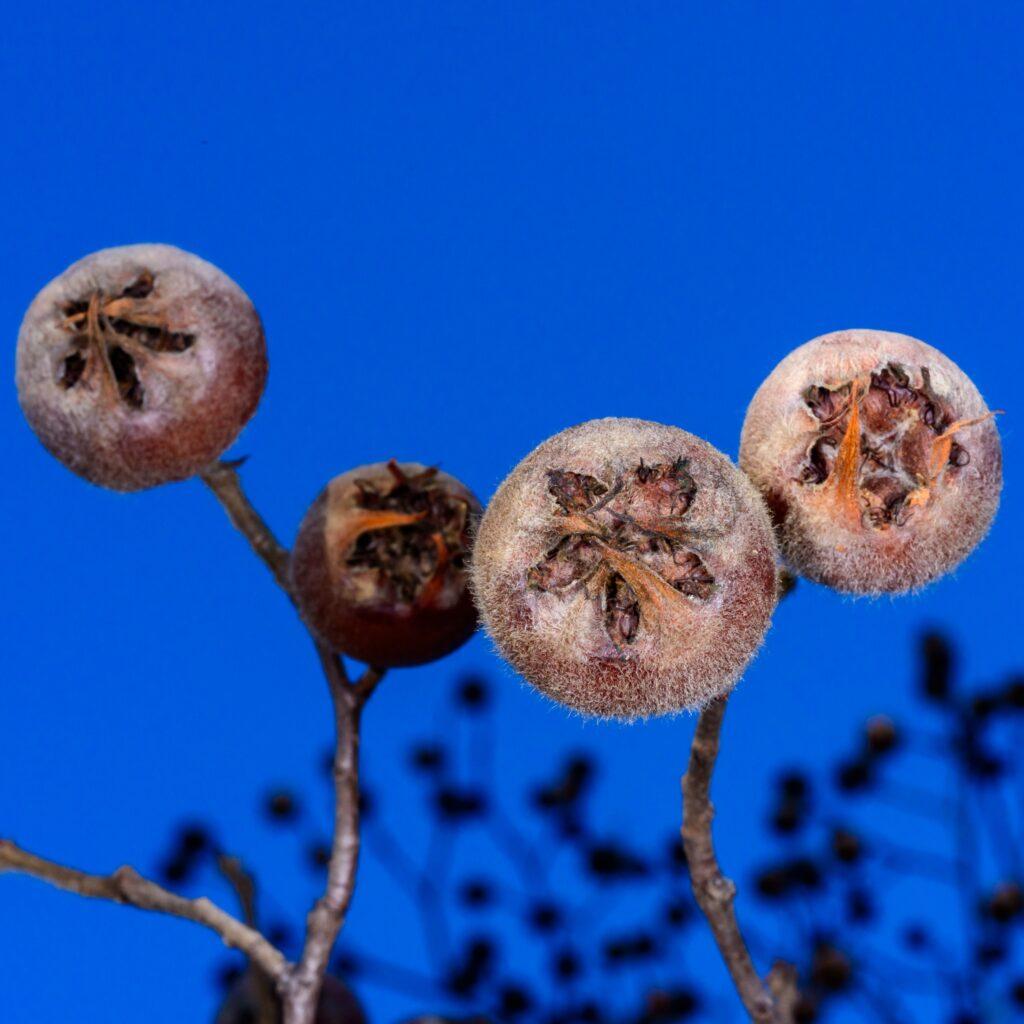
(626, 569)
(379, 565)
(246, 1001)
(879, 460)
(140, 365)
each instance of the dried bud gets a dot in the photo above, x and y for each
(378, 568)
(140, 365)
(626, 569)
(878, 458)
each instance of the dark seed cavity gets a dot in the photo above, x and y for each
(406, 559)
(900, 423)
(640, 515)
(120, 334)
(128, 384)
(621, 611)
(74, 367)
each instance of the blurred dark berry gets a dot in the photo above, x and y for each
(773, 883)
(676, 913)
(846, 846)
(804, 872)
(1005, 903)
(472, 693)
(852, 776)
(318, 855)
(476, 893)
(1017, 992)
(566, 965)
(640, 946)
(677, 854)
(988, 954)
(984, 705)
(915, 937)
(788, 818)
(860, 908)
(1013, 695)
(194, 839)
(830, 969)
(806, 1009)
(609, 861)
(227, 974)
(281, 806)
(514, 1000)
(367, 803)
(456, 805)
(428, 758)
(936, 667)
(669, 1006)
(880, 735)
(793, 785)
(177, 870)
(545, 917)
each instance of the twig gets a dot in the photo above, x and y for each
(222, 478)
(127, 886)
(713, 891)
(242, 882)
(326, 918)
(299, 984)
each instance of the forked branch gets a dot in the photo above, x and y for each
(298, 984)
(301, 988)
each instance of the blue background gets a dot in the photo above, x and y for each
(466, 226)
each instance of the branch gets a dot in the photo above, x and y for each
(713, 891)
(222, 478)
(127, 886)
(326, 918)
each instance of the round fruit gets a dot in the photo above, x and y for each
(878, 458)
(140, 365)
(626, 568)
(379, 565)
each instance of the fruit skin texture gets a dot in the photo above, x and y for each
(626, 569)
(140, 365)
(922, 483)
(378, 567)
(337, 1004)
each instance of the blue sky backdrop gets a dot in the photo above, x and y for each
(466, 226)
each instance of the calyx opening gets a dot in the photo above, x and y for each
(112, 333)
(625, 545)
(882, 446)
(412, 534)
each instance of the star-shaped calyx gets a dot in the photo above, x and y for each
(625, 544)
(111, 334)
(882, 446)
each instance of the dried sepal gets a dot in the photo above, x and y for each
(626, 569)
(878, 458)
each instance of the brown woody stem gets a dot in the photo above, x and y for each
(714, 892)
(298, 984)
(127, 886)
(301, 988)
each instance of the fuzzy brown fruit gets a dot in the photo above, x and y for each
(626, 569)
(140, 365)
(252, 1000)
(878, 458)
(378, 567)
